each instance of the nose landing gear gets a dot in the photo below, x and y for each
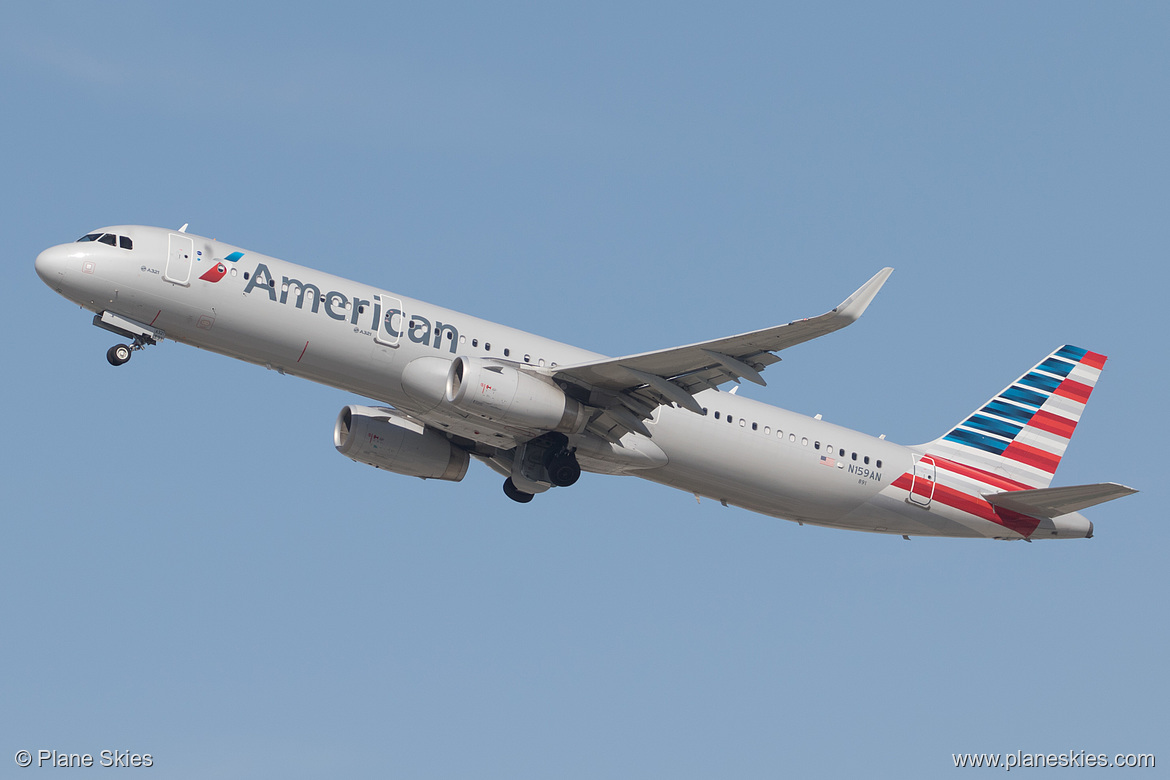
(141, 335)
(120, 353)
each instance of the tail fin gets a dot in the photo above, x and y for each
(1021, 433)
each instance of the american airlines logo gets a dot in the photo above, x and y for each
(219, 270)
(215, 273)
(392, 324)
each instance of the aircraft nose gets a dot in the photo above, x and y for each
(51, 264)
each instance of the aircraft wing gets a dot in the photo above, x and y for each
(633, 386)
(1054, 502)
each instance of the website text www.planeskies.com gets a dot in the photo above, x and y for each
(1070, 758)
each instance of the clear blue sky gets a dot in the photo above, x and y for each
(192, 571)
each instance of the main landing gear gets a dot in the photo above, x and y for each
(544, 462)
(515, 493)
(563, 469)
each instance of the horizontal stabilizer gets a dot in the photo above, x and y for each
(1054, 502)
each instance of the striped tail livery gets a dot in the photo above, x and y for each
(998, 463)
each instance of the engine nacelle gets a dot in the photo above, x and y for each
(502, 394)
(384, 439)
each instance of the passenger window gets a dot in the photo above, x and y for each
(755, 427)
(107, 239)
(866, 460)
(804, 441)
(841, 453)
(767, 430)
(730, 419)
(816, 445)
(879, 464)
(528, 358)
(125, 242)
(779, 434)
(854, 456)
(487, 347)
(475, 342)
(507, 352)
(742, 422)
(716, 415)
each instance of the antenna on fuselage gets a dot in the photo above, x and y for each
(184, 228)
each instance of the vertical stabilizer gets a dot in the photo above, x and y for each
(1021, 434)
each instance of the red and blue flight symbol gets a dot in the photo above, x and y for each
(219, 270)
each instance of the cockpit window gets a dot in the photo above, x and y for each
(108, 238)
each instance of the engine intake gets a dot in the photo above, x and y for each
(384, 439)
(503, 394)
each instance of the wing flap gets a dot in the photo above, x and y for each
(1054, 502)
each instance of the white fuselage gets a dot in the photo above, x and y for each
(314, 325)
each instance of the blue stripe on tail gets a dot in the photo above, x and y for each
(1010, 411)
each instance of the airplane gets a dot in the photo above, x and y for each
(448, 387)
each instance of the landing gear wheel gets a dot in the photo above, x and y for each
(514, 493)
(118, 354)
(564, 470)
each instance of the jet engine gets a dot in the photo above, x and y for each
(384, 439)
(506, 395)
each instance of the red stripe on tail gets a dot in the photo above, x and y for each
(1074, 390)
(977, 506)
(986, 477)
(1094, 360)
(1031, 456)
(1053, 423)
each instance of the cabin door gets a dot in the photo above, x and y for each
(922, 482)
(391, 321)
(179, 254)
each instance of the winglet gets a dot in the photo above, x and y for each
(852, 307)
